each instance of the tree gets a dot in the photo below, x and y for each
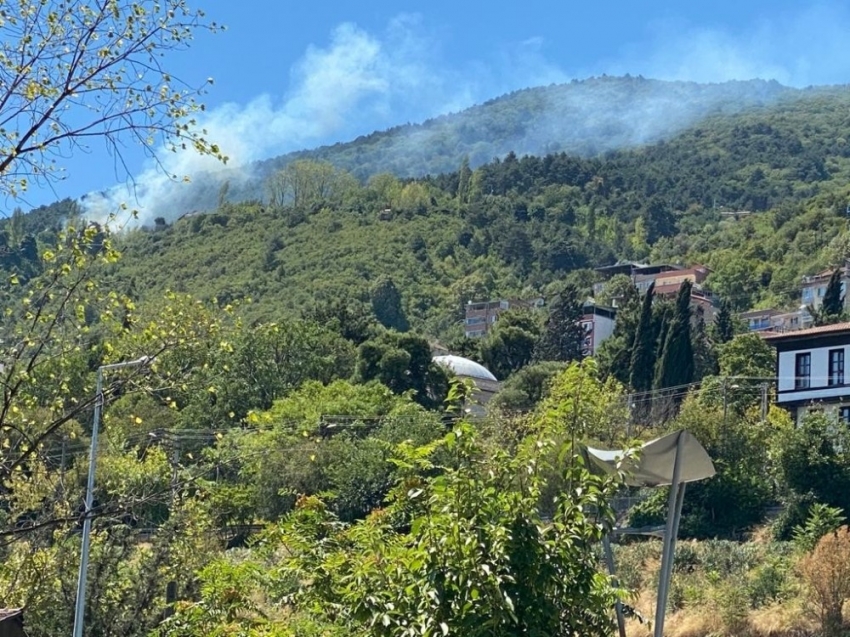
(705, 354)
(522, 391)
(833, 301)
(562, 338)
(733, 500)
(308, 184)
(386, 304)
(615, 354)
(643, 352)
(403, 363)
(724, 325)
(676, 366)
(521, 575)
(76, 70)
(509, 346)
(349, 317)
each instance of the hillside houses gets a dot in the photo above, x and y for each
(813, 287)
(668, 279)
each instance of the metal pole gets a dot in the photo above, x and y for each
(79, 610)
(763, 403)
(669, 541)
(84, 553)
(618, 606)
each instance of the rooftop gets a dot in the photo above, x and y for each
(755, 313)
(464, 367)
(836, 328)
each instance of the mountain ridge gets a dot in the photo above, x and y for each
(586, 118)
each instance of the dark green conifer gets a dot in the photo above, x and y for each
(563, 336)
(833, 301)
(676, 366)
(724, 327)
(643, 351)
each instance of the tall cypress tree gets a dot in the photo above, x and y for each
(724, 327)
(833, 302)
(643, 351)
(676, 366)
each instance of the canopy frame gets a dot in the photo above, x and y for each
(674, 460)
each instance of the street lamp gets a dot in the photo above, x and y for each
(84, 553)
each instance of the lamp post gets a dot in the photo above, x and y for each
(84, 553)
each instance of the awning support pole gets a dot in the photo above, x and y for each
(677, 493)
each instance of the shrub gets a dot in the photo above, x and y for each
(822, 519)
(826, 571)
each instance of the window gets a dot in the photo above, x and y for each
(808, 295)
(836, 367)
(803, 371)
(844, 414)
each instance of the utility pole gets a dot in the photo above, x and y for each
(764, 405)
(79, 610)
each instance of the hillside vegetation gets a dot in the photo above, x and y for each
(279, 383)
(514, 227)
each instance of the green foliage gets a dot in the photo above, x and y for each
(733, 500)
(822, 519)
(510, 345)
(562, 336)
(724, 326)
(386, 304)
(330, 439)
(676, 363)
(524, 389)
(517, 576)
(832, 309)
(642, 364)
(812, 459)
(403, 363)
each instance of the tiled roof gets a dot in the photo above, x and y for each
(812, 331)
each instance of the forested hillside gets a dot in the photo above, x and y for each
(514, 227)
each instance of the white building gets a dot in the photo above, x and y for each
(598, 323)
(811, 370)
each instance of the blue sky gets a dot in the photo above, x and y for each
(297, 75)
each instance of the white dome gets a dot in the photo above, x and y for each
(464, 367)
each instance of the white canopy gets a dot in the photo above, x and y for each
(655, 464)
(674, 459)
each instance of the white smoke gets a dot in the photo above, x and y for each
(356, 84)
(359, 82)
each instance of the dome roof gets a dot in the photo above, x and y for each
(464, 367)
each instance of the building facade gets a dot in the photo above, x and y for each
(480, 316)
(598, 323)
(814, 287)
(811, 370)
